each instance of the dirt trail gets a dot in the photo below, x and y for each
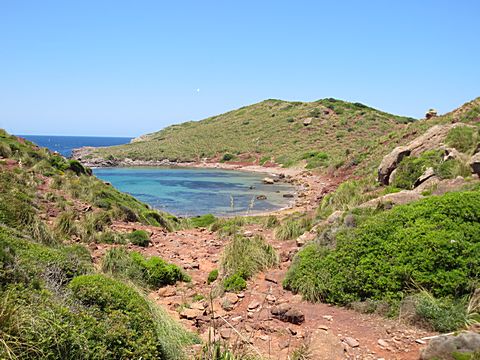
(331, 332)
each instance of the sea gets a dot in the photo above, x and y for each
(181, 191)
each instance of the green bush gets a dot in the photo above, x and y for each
(153, 272)
(139, 238)
(412, 167)
(227, 157)
(450, 169)
(442, 315)
(315, 159)
(234, 282)
(129, 331)
(212, 275)
(463, 138)
(202, 221)
(432, 243)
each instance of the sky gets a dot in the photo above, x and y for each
(125, 68)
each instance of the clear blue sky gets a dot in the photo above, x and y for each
(123, 68)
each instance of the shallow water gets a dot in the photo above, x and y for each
(192, 191)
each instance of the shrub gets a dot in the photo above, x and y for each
(450, 169)
(202, 221)
(139, 238)
(411, 168)
(234, 282)
(129, 331)
(227, 157)
(5, 150)
(442, 315)
(78, 168)
(462, 138)
(65, 223)
(153, 272)
(247, 256)
(293, 228)
(212, 276)
(315, 159)
(432, 243)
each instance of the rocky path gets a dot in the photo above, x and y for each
(265, 318)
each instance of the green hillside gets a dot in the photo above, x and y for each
(327, 133)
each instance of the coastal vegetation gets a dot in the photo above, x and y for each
(54, 303)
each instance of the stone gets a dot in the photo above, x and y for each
(324, 345)
(443, 347)
(269, 277)
(474, 163)
(383, 343)
(294, 316)
(429, 172)
(199, 305)
(328, 317)
(390, 163)
(268, 181)
(233, 298)
(261, 197)
(307, 121)
(431, 113)
(353, 343)
(226, 333)
(280, 309)
(335, 216)
(254, 305)
(167, 292)
(398, 198)
(190, 314)
(271, 299)
(288, 195)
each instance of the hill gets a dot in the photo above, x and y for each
(328, 133)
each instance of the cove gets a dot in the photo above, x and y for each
(194, 191)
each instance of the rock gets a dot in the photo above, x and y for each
(294, 316)
(264, 337)
(167, 292)
(390, 163)
(323, 345)
(271, 299)
(280, 310)
(248, 233)
(399, 198)
(233, 298)
(288, 195)
(199, 305)
(335, 216)
(443, 347)
(431, 113)
(304, 238)
(268, 181)
(253, 305)
(382, 343)
(241, 295)
(226, 333)
(269, 277)
(452, 154)
(261, 197)
(475, 163)
(328, 317)
(353, 343)
(227, 305)
(190, 314)
(425, 176)
(307, 121)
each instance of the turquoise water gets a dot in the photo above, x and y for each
(191, 192)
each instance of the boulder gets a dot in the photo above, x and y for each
(431, 113)
(268, 181)
(294, 316)
(307, 121)
(280, 309)
(475, 163)
(445, 347)
(390, 162)
(324, 345)
(399, 198)
(425, 176)
(190, 314)
(261, 197)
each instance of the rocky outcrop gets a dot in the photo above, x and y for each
(390, 162)
(425, 176)
(399, 198)
(433, 138)
(448, 347)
